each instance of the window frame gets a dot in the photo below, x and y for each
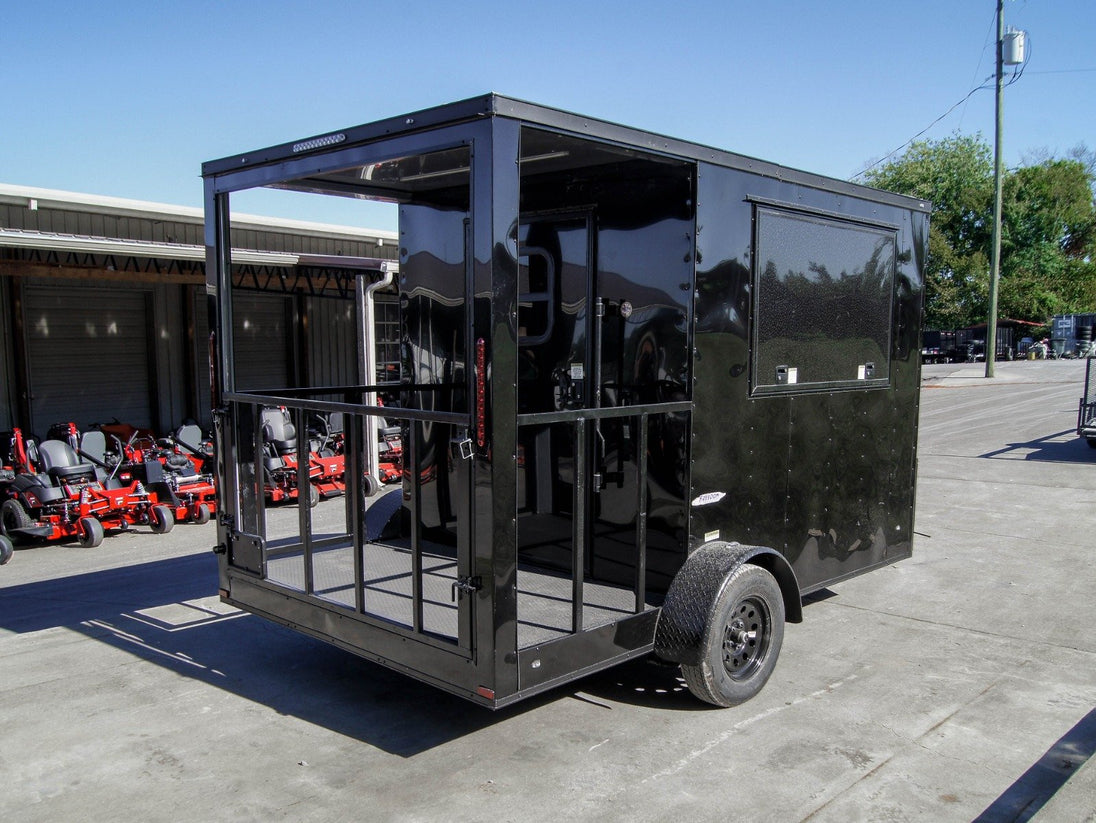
(768, 386)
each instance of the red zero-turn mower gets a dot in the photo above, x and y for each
(187, 458)
(327, 451)
(56, 495)
(390, 461)
(280, 459)
(170, 468)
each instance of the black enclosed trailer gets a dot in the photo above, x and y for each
(651, 394)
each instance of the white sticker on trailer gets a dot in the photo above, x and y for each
(708, 498)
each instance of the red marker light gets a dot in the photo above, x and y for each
(481, 395)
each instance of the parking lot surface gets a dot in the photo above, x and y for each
(957, 685)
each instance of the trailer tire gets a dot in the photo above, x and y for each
(1092, 442)
(13, 516)
(199, 513)
(160, 519)
(89, 532)
(6, 550)
(742, 639)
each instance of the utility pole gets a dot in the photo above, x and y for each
(995, 265)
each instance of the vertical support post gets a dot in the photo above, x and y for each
(258, 473)
(578, 526)
(995, 265)
(304, 497)
(411, 464)
(355, 503)
(641, 515)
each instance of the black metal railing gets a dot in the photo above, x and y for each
(587, 481)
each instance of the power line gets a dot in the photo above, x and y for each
(966, 97)
(1016, 75)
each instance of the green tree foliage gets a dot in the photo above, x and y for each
(1048, 230)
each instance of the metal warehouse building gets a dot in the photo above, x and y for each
(103, 307)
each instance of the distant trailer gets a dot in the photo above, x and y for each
(650, 395)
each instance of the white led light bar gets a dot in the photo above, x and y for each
(319, 142)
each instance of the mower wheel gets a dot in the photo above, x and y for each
(160, 519)
(90, 532)
(370, 485)
(199, 513)
(13, 516)
(6, 550)
(313, 496)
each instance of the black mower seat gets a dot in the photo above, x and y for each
(93, 444)
(59, 461)
(278, 431)
(191, 438)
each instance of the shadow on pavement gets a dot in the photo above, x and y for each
(1049, 448)
(167, 612)
(1031, 791)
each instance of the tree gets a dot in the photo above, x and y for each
(1048, 237)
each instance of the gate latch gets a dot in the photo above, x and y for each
(465, 449)
(466, 585)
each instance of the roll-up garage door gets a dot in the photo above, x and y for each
(88, 355)
(263, 345)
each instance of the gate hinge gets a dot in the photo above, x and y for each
(467, 585)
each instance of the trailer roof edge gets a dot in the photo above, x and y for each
(497, 105)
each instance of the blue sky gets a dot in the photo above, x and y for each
(128, 99)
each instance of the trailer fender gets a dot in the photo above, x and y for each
(383, 517)
(681, 624)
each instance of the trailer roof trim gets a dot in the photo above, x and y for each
(496, 105)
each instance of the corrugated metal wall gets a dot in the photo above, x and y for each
(89, 224)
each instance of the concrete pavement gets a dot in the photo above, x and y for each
(957, 685)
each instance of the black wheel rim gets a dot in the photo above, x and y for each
(746, 638)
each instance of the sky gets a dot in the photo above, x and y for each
(129, 99)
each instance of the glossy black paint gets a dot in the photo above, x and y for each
(822, 473)
(611, 275)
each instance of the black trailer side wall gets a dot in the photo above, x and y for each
(820, 468)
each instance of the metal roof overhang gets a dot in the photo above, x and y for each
(39, 198)
(14, 238)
